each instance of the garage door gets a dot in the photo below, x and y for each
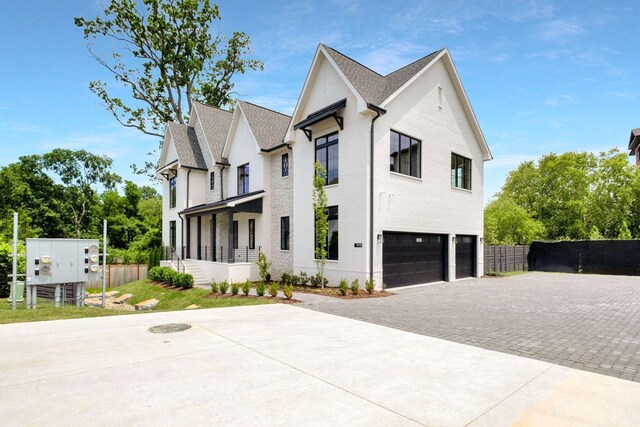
(410, 258)
(465, 256)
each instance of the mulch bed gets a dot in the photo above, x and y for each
(335, 293)
(227, 295)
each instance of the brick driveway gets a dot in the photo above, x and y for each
(585, 322)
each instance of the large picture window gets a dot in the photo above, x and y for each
(405, 155)
(327, 155)
(252, 234)
(284, 233)
(172, 192)
(243, 179)
(332, 234)
(460, 172)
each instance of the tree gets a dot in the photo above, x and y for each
(80, 171)
(506, 223)
(321, 218)
(171, 60)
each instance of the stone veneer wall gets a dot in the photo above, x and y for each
(281, 205)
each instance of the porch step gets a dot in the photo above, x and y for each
(193, 268)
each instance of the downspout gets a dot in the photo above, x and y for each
(184, 253)
(222, 182)
(379, 111)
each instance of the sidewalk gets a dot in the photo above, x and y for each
(284, 365)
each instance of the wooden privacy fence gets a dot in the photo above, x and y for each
(120, 274)
(505, 258)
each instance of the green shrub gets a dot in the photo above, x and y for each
(214, 287)
(295, 280)
(343, 287)
(355, 287)
(246, 287)
(273, 289)
(152, 274)
(286, 278)
(170, 277)
(260, 289)
(263, 265)
(288, 291)
(224, 287)
(370, 285)
(185, 280)
(304, 278)
(316, 280)
(235, 288)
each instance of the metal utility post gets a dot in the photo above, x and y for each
(104, 263)
(14, 284)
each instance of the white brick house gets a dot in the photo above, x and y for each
(411, 133)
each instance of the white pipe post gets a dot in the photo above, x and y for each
(104, 263)
(14, 285)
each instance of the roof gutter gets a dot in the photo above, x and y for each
(379, 112)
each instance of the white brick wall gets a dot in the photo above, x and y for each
(281, 196)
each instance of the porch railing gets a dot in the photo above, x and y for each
(221, 254)
(170, 254)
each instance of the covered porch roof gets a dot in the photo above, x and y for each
(634, 141)
(249, 202)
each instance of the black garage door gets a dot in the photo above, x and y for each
(465, 256)
(410, 258)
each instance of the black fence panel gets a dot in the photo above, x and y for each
(504, 259)
(587, 256)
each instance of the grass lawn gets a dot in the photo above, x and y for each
(170, 299)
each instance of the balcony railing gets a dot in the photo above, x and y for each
(217, 254)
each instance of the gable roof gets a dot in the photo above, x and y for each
(634, 141)
(186, 144)
(215, 124)
(268, 126)
(373, 87)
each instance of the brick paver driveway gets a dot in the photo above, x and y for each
(586, 322)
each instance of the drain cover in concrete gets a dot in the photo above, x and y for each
(169, 328)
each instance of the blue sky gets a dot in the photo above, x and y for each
(541, 75)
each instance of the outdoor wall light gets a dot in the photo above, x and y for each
(453, 239)
(380, 239)
(481, 239)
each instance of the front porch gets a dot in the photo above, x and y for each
(220, 240)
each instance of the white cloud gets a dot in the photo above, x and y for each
(560, 30)
(560, 100)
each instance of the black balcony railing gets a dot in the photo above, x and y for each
(221, 254)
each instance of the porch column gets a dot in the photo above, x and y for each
(213, 237)
(230, 250)
(199, 237)
(188, 237)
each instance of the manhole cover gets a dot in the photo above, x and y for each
(169, 328)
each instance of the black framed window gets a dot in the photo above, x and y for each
(172, 192)
(332, 233)
(235, 234)
(284, 233)
(212, 180)
(460, 172)
(405, 155)
(252, 233)
(172, 234)
(243, 179)
(285, 164)
(328, 156)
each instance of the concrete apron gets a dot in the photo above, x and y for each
(284, 365)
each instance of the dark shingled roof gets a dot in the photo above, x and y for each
(634, 141)
(268, 126)
(187, 147)
(373, 87)
(215, 123)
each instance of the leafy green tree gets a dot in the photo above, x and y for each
(506, 223)
(321, 218)
(80, 173)
(171, 60)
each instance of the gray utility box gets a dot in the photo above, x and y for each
(55, 261)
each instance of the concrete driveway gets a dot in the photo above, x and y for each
(284, 365)
(588, 322)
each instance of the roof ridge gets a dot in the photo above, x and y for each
(414, 62)
(264, 108)
(212, 107)
(351, 59)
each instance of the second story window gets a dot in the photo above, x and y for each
(327, 155)
(212, 180)
(460, 172)
(285, 164)
(243, 179)
(404, 155)
(172, 192)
